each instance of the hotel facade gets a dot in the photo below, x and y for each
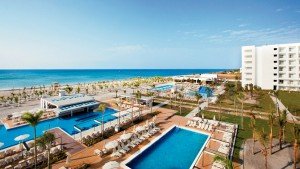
(272, 67)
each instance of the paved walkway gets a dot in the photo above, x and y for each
(70, 145)
(196, 110)
(290, 116)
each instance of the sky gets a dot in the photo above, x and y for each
(148, 34)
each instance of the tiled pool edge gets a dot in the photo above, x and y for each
(125, 162)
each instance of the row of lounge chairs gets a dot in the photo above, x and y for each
(217, 165)
(224, 148)
(126, 146)
(18, 121)
(135, 141)
(203, 124)
(26, 160)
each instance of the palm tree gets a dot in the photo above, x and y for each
(251, 89)
(180, 95)
(296, 134)
(33, 120)
(281, 123)
(276, 93)
(138, 96)
(170, 97)
(198, 97)
(45, 142)
(263, 139)
(116, 91)
(78, 89)
(227, 163)
(253, 125)
(271, 123)
(151, 94)
(101, 109)
(243, 100)
(68, 89)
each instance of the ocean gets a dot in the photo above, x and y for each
(13, 79)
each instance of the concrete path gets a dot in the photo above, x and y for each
(196, 110)
(290, 116)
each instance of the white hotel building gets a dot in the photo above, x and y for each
(272, 66)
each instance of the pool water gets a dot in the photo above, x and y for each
(163, 88)
(177, 149)
(83, 121)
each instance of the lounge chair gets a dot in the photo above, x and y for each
(202, 125)
(54, 150)
(18, 166)
(206, 127)
(116, 154)
(217, 165)
(98, 152)
(125, 147)
(131, 144)
(2, 162)
(8, 167)
(30, 161)
(188, 123)
(2, 154)
(121, 150)
(8, 159)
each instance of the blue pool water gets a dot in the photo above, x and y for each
(163, 87)
(177, 149)
(205, 91)
(84, 121)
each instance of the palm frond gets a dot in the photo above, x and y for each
(31, 118)
(227, 163)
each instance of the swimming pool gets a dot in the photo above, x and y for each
(178, 147)
(83, 121)
(163, 87)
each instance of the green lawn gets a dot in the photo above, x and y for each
(246, 133)
(184, 110)
(291, 100)
(264, 104)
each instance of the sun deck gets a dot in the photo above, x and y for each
(164, 120)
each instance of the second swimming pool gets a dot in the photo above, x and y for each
(178, 148)
(83, 121)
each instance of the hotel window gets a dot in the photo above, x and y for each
(275, 80)
(275, 67)
(275, 74)
(275, 48)
(275, 61)
(275, 55)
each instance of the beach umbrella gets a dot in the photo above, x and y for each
(202, 116)
(22, 137)
(111, 145)
(214, 117)
(140, 128)
(126, 136)
(111, 165)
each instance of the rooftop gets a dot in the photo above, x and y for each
(60, 101)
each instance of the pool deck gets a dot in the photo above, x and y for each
(164, 120)
(62, 138)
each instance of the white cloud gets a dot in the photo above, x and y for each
(242, 25)
(279, 9)
(297, 11)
